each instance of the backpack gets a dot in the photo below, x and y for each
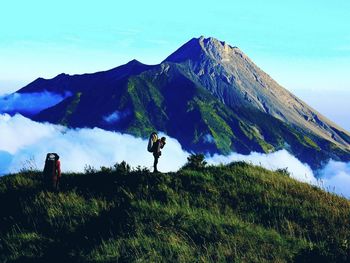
(50, 165)
(151, 141)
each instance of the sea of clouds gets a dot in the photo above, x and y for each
(24, 142)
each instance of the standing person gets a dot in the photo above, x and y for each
(159, 144)
(52, 171)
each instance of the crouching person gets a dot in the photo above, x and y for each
(52, 171)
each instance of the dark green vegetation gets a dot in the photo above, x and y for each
(235, 213)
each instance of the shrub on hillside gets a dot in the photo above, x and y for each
(195, 162)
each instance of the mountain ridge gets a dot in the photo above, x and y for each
(205, 89)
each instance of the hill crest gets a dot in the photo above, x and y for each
(234, 213)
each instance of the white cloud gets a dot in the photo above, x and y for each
(208, 138)
(115, 116)
(30, 103)
(272, 161)
(23, 139)
(26, 140)
(336, 177)
(19, 132)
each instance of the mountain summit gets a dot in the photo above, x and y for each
(232, 77)
(208, 95)
(197, 48)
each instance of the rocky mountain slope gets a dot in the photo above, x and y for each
(234, 79)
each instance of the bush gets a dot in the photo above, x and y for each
(283, 171)
(122, 168)
(196, 162)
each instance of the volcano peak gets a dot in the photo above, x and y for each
(197, 48)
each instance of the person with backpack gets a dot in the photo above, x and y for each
(155, 145)
(52, 171)
(159, 144)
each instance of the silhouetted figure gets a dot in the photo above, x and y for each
(52, 171)
(159, 144)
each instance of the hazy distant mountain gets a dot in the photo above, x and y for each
(207, 94)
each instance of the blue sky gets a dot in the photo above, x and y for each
(304, 45)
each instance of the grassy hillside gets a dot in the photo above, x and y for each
(235, 213)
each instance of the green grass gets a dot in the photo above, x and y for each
(220, 130)
(233, 213)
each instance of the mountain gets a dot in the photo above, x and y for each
(234, 79)
(207, 94)
(233, 213)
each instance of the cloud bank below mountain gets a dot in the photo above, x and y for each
(25, 140)
(30, 103)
